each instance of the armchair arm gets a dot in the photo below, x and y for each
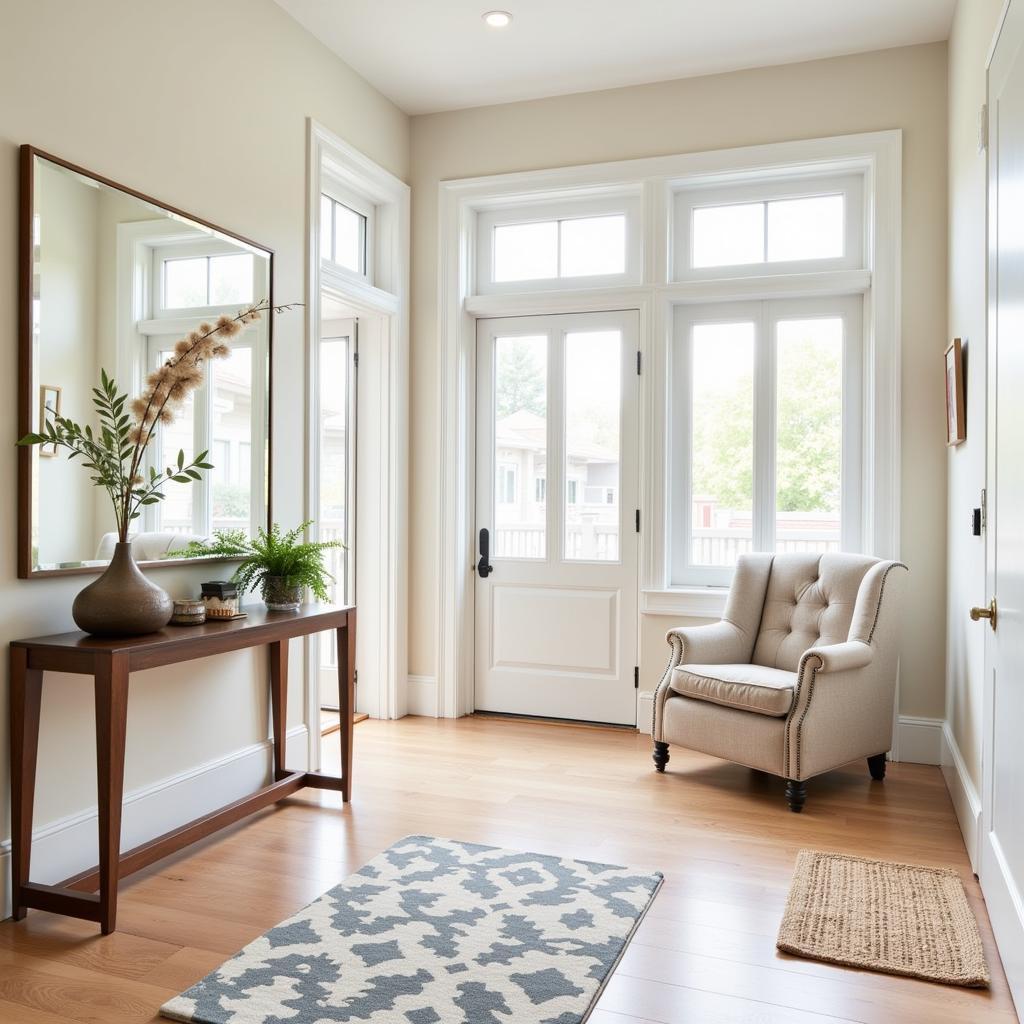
(717, 643)
(842, 709)
(842, 657)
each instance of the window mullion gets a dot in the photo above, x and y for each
(764, 432)
(558, 495)
(684, 513)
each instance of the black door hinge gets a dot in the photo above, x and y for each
(636, 677)
(355, 358)
(355, 677)
(638, 520)
(639, 362)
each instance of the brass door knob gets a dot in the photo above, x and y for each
(986, 613)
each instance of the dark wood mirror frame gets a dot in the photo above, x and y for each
(28, 155)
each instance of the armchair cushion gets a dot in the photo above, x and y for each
(757, 688)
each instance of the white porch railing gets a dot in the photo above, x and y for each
(591, 542)
(722, 545)
(600, 542)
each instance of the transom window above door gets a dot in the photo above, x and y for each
(198, 277)
(346, 233)
(559, 244)
(797, 225)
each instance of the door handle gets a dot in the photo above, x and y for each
(484, 566)
(986, 613)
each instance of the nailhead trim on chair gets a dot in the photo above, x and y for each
(881, 591)
(674, 659)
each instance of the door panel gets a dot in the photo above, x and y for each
(1002, 854)
(520, 626)
(557, 485)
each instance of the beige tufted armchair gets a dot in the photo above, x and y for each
(798, 678)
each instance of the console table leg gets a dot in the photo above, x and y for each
(347, 698)
(111, 721)
(279, 704)
(26, 690)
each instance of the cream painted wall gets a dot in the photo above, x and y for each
(900, 88)
(204, 106)
(974, 24)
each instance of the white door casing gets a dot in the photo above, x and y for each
(1002, 853)
(556, 621)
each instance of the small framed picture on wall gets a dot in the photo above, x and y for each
(49, 406)
(956, 423)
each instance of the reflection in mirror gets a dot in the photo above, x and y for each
(116, 281)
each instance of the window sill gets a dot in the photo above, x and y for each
(689, 602)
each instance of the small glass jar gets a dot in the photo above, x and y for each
(189, 611)
(221, 599)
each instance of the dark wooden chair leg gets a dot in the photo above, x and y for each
(25, 698)
(876, 765)
(660, 755)
(796, 794)
(111, 721)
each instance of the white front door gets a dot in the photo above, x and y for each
(557, 516)
(1002, 855)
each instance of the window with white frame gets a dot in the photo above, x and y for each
(765, 431)
(346, 231)
(563, 243)
(188, 281)
(192, 278)
(766, 397)
(789, 225)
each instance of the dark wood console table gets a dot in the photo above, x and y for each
(92, 894)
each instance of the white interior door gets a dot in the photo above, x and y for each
(557, 486)
(1002, 856)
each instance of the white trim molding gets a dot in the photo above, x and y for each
(685, 602)
(423, 697)
(964, 794)
(917, 740)
(381, 302)
(64, 847)
(876, 156)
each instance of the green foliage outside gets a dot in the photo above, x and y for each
(808, 424)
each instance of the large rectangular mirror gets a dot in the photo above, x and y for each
(111, 279)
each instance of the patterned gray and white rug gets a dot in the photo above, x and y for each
(436, 932)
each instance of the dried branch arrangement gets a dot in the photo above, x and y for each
(115, 453)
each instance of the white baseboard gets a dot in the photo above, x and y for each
(918, 740)
(422, 696)
(63, 848)
(964, 794)
(645, 711)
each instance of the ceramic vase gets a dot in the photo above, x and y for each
(122, 602)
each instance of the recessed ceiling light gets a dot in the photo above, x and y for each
(498, 19)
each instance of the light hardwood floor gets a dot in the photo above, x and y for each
(704, 954)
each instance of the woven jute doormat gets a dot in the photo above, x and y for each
(896, 918)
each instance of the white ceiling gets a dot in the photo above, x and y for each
(429, 55)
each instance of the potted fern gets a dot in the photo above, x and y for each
(280, 565)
